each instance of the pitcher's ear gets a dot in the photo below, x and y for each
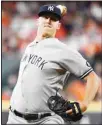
(59, 25)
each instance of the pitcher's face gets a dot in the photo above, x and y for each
(48, 24)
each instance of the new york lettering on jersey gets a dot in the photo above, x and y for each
(35, 60)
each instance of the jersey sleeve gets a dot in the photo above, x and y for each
(74, 62)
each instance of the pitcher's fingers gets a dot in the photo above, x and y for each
(69, 111)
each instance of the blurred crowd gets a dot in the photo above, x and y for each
(81, 29)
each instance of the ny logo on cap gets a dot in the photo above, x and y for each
(51, 8)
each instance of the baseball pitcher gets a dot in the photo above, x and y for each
(44, 69)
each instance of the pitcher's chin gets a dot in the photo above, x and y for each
(47, 35)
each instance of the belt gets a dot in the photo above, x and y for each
(30, 116)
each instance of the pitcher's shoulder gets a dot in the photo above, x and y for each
(31, 44)
(65, 47)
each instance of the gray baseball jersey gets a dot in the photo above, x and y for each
(44, 68)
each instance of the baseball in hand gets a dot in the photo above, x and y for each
(63, 9)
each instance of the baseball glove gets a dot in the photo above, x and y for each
(59, 105)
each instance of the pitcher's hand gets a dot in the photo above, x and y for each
(83, 107)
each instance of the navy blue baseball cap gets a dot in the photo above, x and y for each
(50, 9)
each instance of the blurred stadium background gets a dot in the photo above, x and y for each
(81, 29)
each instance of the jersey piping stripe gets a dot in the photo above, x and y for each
(66, 79)
(86, 73)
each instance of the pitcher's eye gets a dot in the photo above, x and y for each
(46, 17)
(54, 19)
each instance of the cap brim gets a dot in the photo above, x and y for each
(45, 12)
